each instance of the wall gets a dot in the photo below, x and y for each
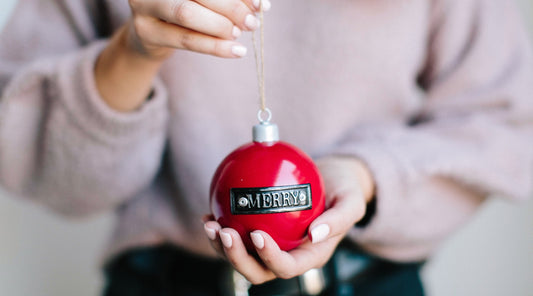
(45, 255)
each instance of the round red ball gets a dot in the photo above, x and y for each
(269, 186)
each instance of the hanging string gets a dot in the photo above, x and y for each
(259, 53)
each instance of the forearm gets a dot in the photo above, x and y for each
(124, 76)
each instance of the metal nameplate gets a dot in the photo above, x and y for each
(266, 200)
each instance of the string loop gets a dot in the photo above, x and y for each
(261, 113)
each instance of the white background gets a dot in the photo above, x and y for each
(45, 255)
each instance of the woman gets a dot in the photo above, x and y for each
(414, 111)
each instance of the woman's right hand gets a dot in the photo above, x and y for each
(158, 27)
(125, 69)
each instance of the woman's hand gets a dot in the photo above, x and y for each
(158, 27)
(126, 68)
(349, 187)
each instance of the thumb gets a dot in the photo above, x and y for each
(348, 207)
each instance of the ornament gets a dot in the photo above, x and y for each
(267, 185)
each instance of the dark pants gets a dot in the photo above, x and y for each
(168, 271)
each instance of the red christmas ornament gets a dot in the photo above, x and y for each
(267, 185)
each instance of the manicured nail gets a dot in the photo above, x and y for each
(236, 32)
(319, 233)
(266, 4)
(251, 22)
(238, 50)
(211, 233)
(258, 240)
(226, 239)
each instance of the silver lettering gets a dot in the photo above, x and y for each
(263, 200)
(295, 195)
(275, 200)
(253, 203)
(267, 200)
(286, 199)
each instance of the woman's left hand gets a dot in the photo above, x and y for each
(349, 186)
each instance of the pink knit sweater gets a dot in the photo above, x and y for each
(435, 96)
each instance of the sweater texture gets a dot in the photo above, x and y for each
(436, 97)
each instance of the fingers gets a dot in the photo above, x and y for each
(204, 26)
(258, 3)
(172, 36)
(191, 15)
(188, 14)
(340, 172)
(212, 229)
(238, 12)
(274, 262)
(345, 198)
(241, 260)
(347, 208)
(296, 262)
(228, 244)
(216, 18)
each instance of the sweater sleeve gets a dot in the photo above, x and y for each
(60, 144)
(472, 138)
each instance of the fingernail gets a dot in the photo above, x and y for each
(258, 240)
(319, 233)
(211, 233)
(226, 239)
(238, 50)
(266, 4)
(236, 32)
(251, 22)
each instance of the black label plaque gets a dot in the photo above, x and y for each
(266, 200)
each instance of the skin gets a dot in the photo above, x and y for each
(127, 67)
(124, 74)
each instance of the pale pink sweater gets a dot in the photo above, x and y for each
(435, 96)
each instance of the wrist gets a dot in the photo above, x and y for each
(124, 76)
(368, 187)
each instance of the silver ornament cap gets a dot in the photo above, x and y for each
(265, 132)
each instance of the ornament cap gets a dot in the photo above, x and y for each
(265, 132)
